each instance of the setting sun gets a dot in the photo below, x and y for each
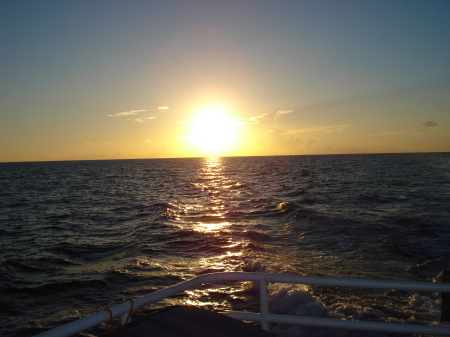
(213, 131)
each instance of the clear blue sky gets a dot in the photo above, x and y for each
(126, 79)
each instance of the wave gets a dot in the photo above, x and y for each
(127, 226)
(84, 251)
(340, 303)
(5, 231)
(58, 288)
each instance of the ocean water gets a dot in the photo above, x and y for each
(76, 237)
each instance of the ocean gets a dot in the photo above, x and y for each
(79, 236)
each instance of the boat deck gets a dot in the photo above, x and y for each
(188, 321)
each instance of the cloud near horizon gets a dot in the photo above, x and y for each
(411, 132)
(323, 129)
(141, 120)
(137, 112)
(283, 112)
(126, 113)
(243, 123)
(429, 124)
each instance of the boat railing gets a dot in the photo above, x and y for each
(265, 317)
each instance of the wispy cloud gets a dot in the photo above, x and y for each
(97, 143)
(142, 119)
(311, 142)
(409, 132)
(323, 129)
(127, 113)
(283, 112)
(243, 123)
(429, 124)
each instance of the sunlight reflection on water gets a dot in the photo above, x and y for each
(205, 218)
(211, 227)
(215, 204)
(207, 215)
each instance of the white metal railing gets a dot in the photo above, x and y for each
(264, 316)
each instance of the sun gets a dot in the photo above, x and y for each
(213, 131)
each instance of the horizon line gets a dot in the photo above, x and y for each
(202, 157)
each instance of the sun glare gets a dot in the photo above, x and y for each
(213, 131)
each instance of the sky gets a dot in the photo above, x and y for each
(109, 79)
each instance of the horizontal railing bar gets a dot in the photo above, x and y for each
(326, 281)
(343, 324)
(119, 310)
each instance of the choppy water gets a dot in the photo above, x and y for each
(76, 237)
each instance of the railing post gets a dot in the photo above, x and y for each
(123, 319)
(264, 304)
(445, 306)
